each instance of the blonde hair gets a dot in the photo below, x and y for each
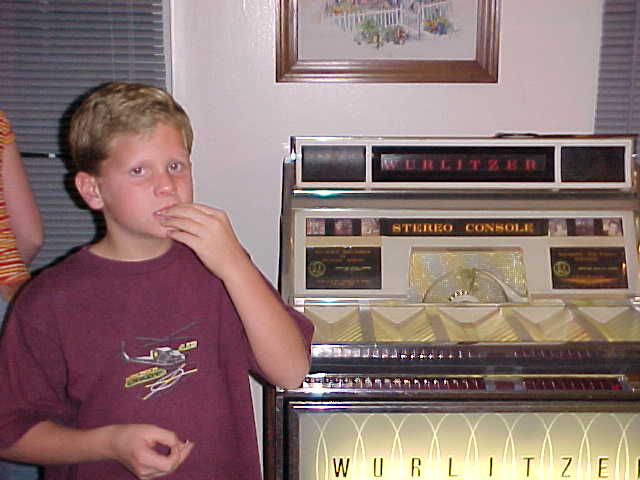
(118, 108)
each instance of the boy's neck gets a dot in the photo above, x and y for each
(108, 248)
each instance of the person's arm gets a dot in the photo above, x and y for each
(274, 336)
(48, 443)
(24, 215)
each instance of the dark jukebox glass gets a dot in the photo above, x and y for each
(333, 163)
(463, 164)
(592, 164)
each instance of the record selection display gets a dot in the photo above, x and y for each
(350, 265)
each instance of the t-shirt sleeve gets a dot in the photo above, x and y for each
(33, 372)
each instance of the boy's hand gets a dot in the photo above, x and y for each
(134, 447)
(208, 232)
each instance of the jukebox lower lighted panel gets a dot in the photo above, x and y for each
(475, 306)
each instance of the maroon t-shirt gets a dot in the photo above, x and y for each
(94, 342)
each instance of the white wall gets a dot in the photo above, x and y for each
(224, 75)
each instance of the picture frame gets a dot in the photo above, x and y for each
(293, 65)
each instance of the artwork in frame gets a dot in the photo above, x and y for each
(399, 41)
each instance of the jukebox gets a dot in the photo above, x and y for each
(476, 309)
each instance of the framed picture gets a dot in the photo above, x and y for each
(400, 41)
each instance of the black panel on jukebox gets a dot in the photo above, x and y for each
(592, 164)
(463, 164)
(333, 163)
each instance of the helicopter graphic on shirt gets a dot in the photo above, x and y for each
(168, 365)
(160, 354)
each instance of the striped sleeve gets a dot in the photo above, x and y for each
(12, 267)
(6, 133)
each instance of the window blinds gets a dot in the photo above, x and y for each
(618, 104)
(51, 53)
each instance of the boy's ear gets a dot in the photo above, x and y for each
(88, 188)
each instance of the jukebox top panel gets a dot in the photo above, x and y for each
(460, 163)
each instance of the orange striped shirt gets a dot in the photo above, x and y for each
(12, 268)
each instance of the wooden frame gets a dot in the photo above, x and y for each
(482, 69)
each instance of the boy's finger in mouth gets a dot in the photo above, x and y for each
(162, 212)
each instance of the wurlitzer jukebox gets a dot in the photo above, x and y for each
(475, 305)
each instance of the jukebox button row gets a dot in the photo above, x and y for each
(447, 355)
(572, 383)
(460, 383)
(554, 353)
(392, 353)
(396, 383)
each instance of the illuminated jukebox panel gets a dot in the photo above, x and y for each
(475, 309)
(481, 440)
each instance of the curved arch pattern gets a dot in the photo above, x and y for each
(496, 445)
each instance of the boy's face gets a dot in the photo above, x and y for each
(143, 175)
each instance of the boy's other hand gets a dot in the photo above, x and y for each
(208, 232)
(135, 447)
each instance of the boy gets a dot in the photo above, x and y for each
(132, 354)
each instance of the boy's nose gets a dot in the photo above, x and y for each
(165, 184)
